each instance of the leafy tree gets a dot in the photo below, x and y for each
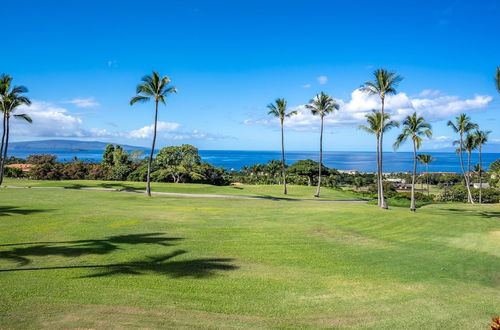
(495, 166)
(481, 137)
(385, 83)
(120, 156)
(307, 168)
(107, 156)
(375, 126)
(152, 88)
(278, 110)
(179, 162)
(321, 105)
(414, 127)
(462, 126)
(10, 100)
(426, 159)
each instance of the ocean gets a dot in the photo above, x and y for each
(342, 160)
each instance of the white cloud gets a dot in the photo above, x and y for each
(48, 121)
(322, 80)
(147, 131)
(306, 86)
(433, 108)
(88, 102)
(429, 92)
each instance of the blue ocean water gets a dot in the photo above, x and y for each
(342, 160)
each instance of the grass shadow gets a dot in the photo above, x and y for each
(479, 213)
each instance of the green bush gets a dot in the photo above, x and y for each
(459, 194)
(119, 172)
(13, 172)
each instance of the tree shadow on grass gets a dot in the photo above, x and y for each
(160, 265)
(79, 248)
(14, 210)
(478, 213)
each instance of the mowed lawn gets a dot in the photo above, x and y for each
(302, 192)
(92, 259)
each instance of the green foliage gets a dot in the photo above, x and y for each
(495, 166)
(180, 162)
(107, 156)
(119, 172)
(459, 194)
(13, 172)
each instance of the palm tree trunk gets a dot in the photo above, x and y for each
(469, 195)
(4, 157)
(382, 199)
(3, 141)
(150, 159)
(412, 200)
(427, 181)
(283, 159)
(480, 176)
(378, 171)
(320, 158)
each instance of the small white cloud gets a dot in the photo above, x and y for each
(322, 80)
(112, 64)
(147, 131)
(88, 102)
(306, 86)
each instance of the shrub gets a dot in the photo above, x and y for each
(459, 194)
(119, 172)
(13, 172)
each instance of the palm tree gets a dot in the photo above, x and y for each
(385, 83)
(10, 100)
(374, 120)
(321, 105)
(426, 160)
(481, 138)
(414, 127)
(152, 88)
(278, 110)
(463, 125)
(469, 146)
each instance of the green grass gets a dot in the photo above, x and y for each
(91, 259)
(188, 188)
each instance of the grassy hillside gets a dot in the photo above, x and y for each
(92, 259)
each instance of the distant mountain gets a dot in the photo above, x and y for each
(65, 145)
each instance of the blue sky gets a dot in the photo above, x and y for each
(81, 61)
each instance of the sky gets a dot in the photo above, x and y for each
(81, 61)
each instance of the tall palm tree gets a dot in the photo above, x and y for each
(10, 100)
(426, 159)
(414, 127)
(321, 105)
(156, 88)
(278, 110)
(385, 83)
(481, 138)
(374, 120)
(462, 126)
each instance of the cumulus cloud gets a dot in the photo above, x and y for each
(48, 121)
(88, 102)
(433, 105)
(147, 131)
(322, 80)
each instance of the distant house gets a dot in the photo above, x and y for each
(481, 185)
(351, 172)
